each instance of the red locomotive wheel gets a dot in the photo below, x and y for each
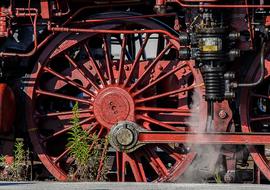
(255, 112)
(134, 77)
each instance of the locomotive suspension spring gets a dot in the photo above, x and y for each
(214, 82)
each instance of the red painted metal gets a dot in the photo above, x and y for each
(76, 30)
(7, 109)
(23, 12)
(267, 21)
(112, 89)
(4, 29)
(186, 4)
(113, 104)
(127, 17)
(157, 93)
(45, 9)
(205, 138)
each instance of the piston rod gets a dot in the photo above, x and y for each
(138, 136)
(204, 138)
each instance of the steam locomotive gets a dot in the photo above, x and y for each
(179, 87)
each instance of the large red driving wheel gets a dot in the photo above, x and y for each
(255, 112)
(134, 77)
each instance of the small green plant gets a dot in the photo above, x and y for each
(217, 177)
(19, 153)
(19, 168)
(2, 161)
(78, 140)
(86, 151)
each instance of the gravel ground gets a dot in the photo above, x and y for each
(126, 186)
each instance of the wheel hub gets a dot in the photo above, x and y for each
(124, 136)
(113, 104)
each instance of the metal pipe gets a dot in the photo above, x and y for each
(24, 14)
(76, 30)
(261, 69)
(185, 5)
(121, 18)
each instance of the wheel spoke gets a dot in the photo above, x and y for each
(260, 96)
(150, 161)
(259, 118)
(61, 156)
(122, 59)
(108, 60)
(54, 84)
(159, 123)
(159, 79)
(95, 65)
(62, 96)
(82, 70)
(140, 167)
(140, 36)
(185, 112)
(170, 151)
(131, 46)
(68, 81)
(92, 128)
(136, 61)
(150, 67)
(57, 159)
(134, 167)
(62, 113)
(159, 163)
(101, 162)
(176, 122)
(156, 162)
(93, 144)
(66, 129)
(56, 134)
(120, 167)
(165, 94)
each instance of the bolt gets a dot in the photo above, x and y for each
(126, 68)
(184, 71)
(90, 67)
(222, 114)
(125, 136)
(160, 67)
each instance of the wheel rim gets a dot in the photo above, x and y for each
(253, 116)
(154, 92)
